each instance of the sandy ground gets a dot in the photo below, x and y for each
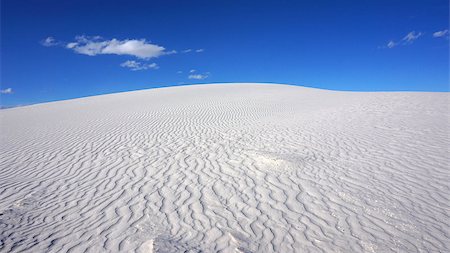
(251, 168)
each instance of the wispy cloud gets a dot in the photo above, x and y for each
(198, 76)
(406, 40)
(391, 44)
(411, 37)
(96, 45)
(49, 42)
(440, 34)
(134, 65)
(7, 91)
(192, 50)
(171, 52)
(192, 71)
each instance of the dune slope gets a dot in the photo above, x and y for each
(227, 167)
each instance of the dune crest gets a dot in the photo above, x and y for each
(227, 168)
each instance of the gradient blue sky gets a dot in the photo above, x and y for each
(52, 50)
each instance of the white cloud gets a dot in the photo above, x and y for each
(49, 42)
(198, 76)
(71, 45)
(411, 37)
(171, 52)
(391, 44)
(179, 72)
(192, 71)
(408, 39)
(6, 91)
(439, 34)
(192, 50)
(134, 65)
(96, 45)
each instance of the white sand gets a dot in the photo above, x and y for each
(251, 168)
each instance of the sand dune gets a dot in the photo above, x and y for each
(227, 168)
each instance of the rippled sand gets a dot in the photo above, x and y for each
(251, 168)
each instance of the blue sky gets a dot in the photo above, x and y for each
(53, 50)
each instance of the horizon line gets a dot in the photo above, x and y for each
(215, 83)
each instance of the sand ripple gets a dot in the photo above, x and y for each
(227, 168)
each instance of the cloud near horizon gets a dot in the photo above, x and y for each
(134, 65)
(6, 91)
(198, 76)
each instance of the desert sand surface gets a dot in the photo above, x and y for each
(227, 168)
